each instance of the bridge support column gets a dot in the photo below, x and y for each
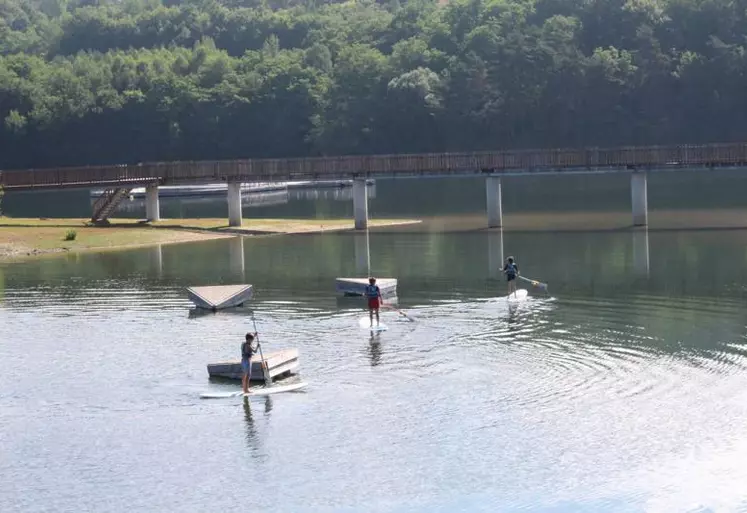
(360, 203)
(152, 207)
(234, 203)
(495, 208)
(639, 198)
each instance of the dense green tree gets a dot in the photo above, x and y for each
(123, 81)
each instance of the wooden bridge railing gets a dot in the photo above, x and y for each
(351, 166)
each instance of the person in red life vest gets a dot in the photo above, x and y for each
(373, 294)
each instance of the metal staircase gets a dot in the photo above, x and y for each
(108, 202)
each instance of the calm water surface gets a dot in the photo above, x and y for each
(623, 390)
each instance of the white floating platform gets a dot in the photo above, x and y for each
(221, 296)
(357, 286)
(217, 189)
(280, 363)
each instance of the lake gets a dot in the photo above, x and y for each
(621, 390)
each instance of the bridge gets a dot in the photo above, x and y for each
(119, 180)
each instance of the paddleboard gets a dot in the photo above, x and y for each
(365, 324)
(255, 392)
(519, 295)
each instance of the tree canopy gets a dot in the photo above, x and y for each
(121, 81)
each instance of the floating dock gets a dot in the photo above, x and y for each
(357, 286)
(220, 296)
(185, 191)
(280, 363)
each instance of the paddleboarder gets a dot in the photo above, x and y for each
(511, 270)
(373, 293)
(247, 351)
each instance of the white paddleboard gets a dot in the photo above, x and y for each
(255, 392)
(519, 295)
(365, 324)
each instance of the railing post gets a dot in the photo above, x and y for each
(495, 207)
(234, 204)
(360, 203)
(639, 198)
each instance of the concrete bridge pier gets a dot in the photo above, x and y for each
(495, 208)
(495, 253)
(152, 206)
(236, 256)
(234, 204)
(360, 203)
(639, 198)
(362, 254)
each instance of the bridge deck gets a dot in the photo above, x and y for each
(586, 160)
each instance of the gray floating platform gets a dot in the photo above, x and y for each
(357, 286)
(222, 296)
(280, 363)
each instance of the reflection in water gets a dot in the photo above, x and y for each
(268, 405)
(251, 430)
(640, 252)
(236, 256)
(156, 256)
(495, 252)
(362, 253)
(252, 435)
(374, 349)
(616, 378)
(513, 307)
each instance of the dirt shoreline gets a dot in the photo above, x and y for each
(22, 238)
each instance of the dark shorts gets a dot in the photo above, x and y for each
(373, 303)
(510, 277)
(246, 366)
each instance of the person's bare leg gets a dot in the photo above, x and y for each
(247, 378)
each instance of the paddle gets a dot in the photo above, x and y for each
(535, 283)
(403, 314)
(265, 370)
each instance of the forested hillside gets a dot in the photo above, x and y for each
(106, 81)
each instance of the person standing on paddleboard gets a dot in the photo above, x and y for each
(373, 293)
(247, 351)
(511, 270)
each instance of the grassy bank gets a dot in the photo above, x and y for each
(21, 237)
